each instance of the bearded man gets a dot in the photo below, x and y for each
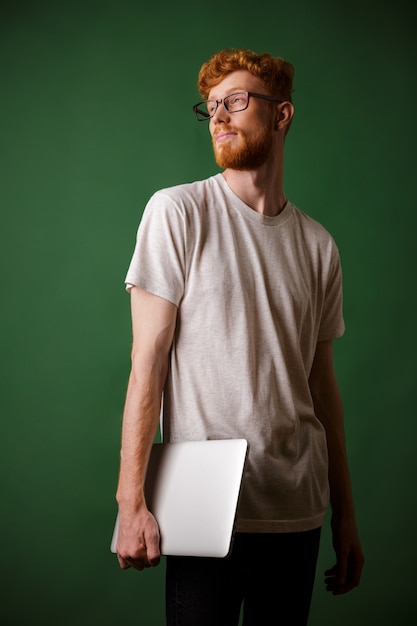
(236, 298)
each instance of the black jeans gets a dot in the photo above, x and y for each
(271, 574)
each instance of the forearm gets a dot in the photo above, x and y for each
(329, 410)
(345, 575)
(153, 322)
(140, 423)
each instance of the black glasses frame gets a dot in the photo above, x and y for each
(206, 116)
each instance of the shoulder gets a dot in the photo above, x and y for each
(186, 205)
(186, 193)
(311, 229)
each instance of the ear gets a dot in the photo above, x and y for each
(285, 112)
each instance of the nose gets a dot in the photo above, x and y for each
(221, 113)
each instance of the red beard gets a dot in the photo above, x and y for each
(252, 152)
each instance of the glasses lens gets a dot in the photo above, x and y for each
(236, 101)
(204, 110)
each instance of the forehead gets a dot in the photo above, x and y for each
(235, 81)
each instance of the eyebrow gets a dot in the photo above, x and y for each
(230, 91)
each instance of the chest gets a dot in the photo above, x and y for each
(235, 266)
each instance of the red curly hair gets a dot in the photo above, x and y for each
(276, 73)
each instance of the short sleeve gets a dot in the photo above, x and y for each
(158, 261)
(332, 324)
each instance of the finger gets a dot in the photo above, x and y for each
(331, 579)
(339, 590)
(137, 559)
(352, 580)
(152, 540)
(154, 556)
(341, 571)
(124, 564)
(336, 588)
(138, 565)
(140, 561)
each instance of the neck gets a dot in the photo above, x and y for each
(261, 189)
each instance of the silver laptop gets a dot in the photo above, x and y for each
(193, 488)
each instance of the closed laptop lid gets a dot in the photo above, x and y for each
(193, 488)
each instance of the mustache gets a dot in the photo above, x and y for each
(225, 129)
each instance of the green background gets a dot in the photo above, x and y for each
(96, 115)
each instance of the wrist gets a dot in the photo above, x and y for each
(130, 497)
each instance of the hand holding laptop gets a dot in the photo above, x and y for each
(145, 552)
(192, 488)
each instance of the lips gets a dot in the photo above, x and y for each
(224, 135)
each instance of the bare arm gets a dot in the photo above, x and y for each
(345, 575)
(153, 323)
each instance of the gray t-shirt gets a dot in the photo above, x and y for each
(254, 295)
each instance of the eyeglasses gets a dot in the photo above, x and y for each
(233, 103)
